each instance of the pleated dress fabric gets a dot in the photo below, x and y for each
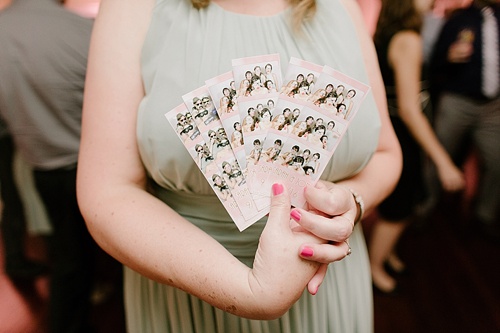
(184, 47)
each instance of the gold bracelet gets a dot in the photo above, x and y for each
(360, 204)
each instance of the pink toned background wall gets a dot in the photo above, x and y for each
(87, 8)
(370, 9)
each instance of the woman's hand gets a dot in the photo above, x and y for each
(278, 274)
(460, 52)
(329, 216)
(451, 177)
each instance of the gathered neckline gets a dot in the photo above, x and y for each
(278, 14)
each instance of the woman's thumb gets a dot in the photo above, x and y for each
(280, 206)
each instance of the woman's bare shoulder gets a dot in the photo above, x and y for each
(406, 44)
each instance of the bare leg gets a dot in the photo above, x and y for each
(384, 238)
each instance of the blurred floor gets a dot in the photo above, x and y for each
(453, 283)
(453, 279)
(23, 306)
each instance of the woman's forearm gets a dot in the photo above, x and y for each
(149, 237)
(372, 184)
(424, 135)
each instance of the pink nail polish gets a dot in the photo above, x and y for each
(277, 189)
(295, 214)
(307, 252)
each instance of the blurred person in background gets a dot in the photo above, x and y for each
(465, 82)
(399, 47)
(43, 58)
(13, 221)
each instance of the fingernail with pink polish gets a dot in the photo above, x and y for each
(277, 189)
(295, 214)
(307, 252)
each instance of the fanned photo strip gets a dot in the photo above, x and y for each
(256, 118)
(249, 128)
(182, 122)
(223, 93)
(304, 135)
(221, 89)
(259, 79)
(199, 102)
(299, 82)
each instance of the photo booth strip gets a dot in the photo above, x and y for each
(306, 150)
(212, 131)
(222, 92)
(299, 80)
(316, 132)
(276, 136)
(256, 114)
(179, 119)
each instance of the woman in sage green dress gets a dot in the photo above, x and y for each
(188, 268)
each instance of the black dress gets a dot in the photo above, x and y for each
(409, 190)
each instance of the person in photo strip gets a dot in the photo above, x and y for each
(220, 185)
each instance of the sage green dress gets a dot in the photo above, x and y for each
(185, 47)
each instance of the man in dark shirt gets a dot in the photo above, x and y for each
(12, 220)
(43, 59)
(467, 112)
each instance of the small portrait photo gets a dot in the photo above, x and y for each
(185, 126)
(223, 92)
(254, 145)
(203, 156)
(232, 174)
(338, 93)
(258, 75)
(305, 127)
(237, 139)
(300, 79)
(287, 157)
(200, 104)
(220, 187)
(271, 153)
(312, 167)
(254, 155)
